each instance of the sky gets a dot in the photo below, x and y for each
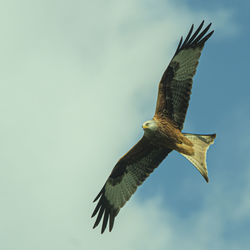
(78, 79)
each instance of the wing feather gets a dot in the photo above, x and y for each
(130, 171)
(176, 83)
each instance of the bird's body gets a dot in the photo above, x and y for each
(162, 134)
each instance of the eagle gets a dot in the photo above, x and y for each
(162, 134)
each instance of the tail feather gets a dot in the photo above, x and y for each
(201, 144)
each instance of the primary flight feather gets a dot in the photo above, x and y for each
(162, 134)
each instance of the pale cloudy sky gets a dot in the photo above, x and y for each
(78, 78)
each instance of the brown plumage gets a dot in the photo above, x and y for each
(162, 134)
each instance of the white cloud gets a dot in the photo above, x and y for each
(74, 77)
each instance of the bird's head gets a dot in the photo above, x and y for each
(150, 126)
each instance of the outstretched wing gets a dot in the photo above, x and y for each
(130, 171)
(176, 83)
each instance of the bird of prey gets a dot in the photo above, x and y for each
(162, 134)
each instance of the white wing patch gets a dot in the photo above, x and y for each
(120, 193)
(187, 60)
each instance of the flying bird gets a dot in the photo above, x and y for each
(162, 134)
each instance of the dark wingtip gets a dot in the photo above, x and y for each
(202, 23)
(206, 178)
(198, 38)
(105, 220)
(100, 193)
(96, 209)
(99, 217)
(96, 198)
(188, 35)
(94, 213)
(104, 212)
(95, 225)
(209, 25)
(179, 45)
(111, 220)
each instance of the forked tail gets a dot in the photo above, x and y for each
(201, 144)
